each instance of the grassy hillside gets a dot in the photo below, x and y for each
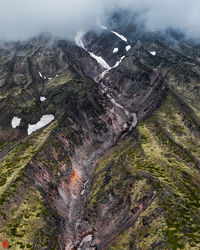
(23, 216)
(153, 176)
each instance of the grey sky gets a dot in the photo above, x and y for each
(21, 19)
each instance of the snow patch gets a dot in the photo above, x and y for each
(108, 69)
(104, 73)
(100, 60)
(128, 47)
(102, 27)
(152, 52)
(125, 126)
(44, 120)
(118, 63)
(42, 98)
(83, 191)
(79, 39)
(104, 88)
(15, 122)
(120, 36)
(87, 238)
(40, 74)
(115, 103)
(134, 122)
(79, 42)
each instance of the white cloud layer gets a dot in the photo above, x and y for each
(21, 19)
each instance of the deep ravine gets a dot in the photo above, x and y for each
(115, 164)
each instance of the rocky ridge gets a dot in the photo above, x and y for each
(92, 179)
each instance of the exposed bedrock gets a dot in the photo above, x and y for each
(91, 125)
(104, 167)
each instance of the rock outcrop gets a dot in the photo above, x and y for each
(118, 168)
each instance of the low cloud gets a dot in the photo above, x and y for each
(22, 19)
(182, 15)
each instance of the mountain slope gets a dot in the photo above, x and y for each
(146, 189)
(118, 168)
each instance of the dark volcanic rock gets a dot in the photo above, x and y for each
(92, 179)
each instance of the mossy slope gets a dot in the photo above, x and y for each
(153, 177)
(23, 216)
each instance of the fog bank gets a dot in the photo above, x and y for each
(22, 19)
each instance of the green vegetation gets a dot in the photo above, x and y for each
(22, 212)
(59, 80)
(161, 168)
(18, 158)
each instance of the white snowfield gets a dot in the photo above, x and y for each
(108, 69)
(101, 76)
(152, 52)
(42, 98)
(120, 36)
(100, 60)
(40, 74)
(118, 63)
(15, 122)
(114, 102)
(128, 47)
(79, 41)
(102, 26)
(44, 120)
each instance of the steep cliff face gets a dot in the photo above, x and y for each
(118, 167)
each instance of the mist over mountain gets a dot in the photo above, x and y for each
(22, 19)
(100, 127)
